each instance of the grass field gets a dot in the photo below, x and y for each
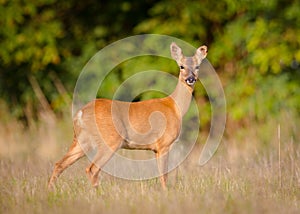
(246, 175)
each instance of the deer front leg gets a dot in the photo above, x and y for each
(162, 163)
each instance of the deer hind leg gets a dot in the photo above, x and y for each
(102, 156)
(75, 152)
(162, 163)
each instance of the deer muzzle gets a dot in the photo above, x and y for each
(191, 80)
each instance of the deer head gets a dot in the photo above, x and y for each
(189, 66)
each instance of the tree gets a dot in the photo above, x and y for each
(251, 44)
(45, 44)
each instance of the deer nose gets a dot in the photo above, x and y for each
(191, 80)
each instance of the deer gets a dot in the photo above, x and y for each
(108, 125)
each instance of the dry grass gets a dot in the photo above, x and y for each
(242, 177)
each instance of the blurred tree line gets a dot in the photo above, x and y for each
(253, 44)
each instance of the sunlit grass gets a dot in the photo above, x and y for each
(241, 178)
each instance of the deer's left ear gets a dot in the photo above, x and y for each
(176, 52)
(201, 53)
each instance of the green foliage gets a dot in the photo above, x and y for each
(254, 46)
(263, 97)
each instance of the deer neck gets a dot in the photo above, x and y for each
(182, 95)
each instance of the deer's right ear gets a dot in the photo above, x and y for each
(176, 52)
(201, 52)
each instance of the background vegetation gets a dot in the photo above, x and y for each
(253, 45)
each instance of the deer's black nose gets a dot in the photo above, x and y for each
(191, 80)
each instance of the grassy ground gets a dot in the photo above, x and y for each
(244, 176)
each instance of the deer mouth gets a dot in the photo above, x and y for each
(191, 81)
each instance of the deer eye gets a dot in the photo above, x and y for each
(197, 67)
(181, 67)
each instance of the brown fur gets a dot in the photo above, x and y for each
(108, 125)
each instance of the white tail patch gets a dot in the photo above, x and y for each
(106, 125)
(78, 118)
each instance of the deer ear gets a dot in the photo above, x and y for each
(176, 52)
(201, 53)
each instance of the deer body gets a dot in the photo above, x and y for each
(131, 127)
(153, 124)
